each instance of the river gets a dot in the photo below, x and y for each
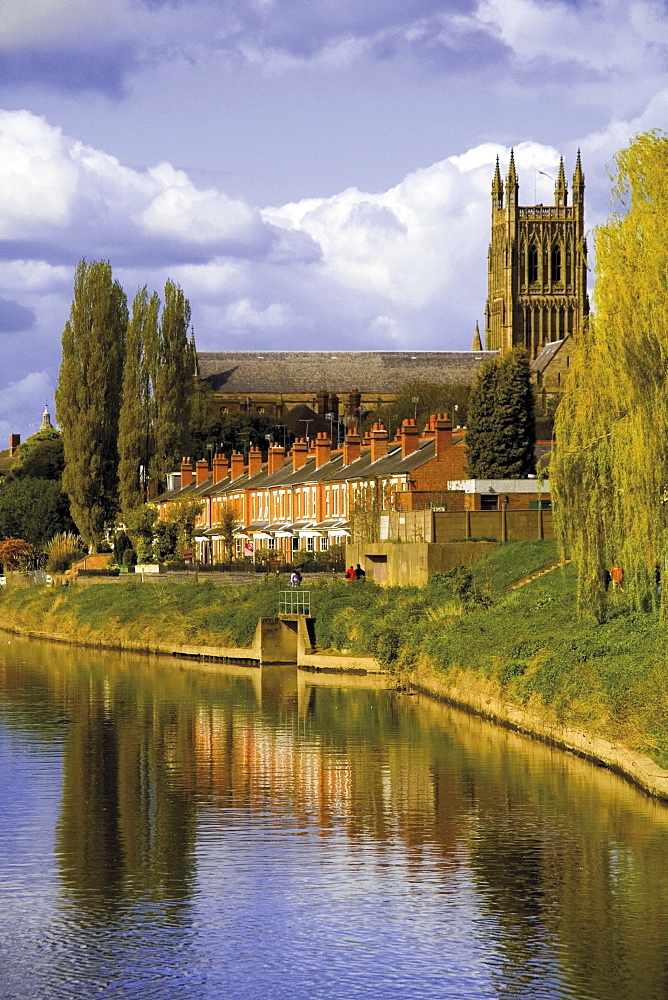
(171, 831)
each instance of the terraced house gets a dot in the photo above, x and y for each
(311, 498)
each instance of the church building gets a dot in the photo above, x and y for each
(537, 267)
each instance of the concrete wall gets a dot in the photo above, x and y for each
(411, 564)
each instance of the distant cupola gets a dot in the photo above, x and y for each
(46, 419)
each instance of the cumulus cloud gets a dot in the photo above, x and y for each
(22, 403)
(60, 199)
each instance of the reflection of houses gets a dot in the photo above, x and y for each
(307, 499)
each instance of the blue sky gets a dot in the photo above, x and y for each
(314, 173)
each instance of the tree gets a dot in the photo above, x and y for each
(135, 425)
(228, 523)
(609, 473)
(420, 400)
(33, 509)
(501, 435)
(41, 456)
(88, 397)
(15, 553)
(173, 386)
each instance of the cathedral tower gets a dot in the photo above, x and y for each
(537, 266)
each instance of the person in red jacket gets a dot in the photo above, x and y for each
(350, 574)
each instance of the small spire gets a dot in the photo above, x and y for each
(560, 189)
(497, 187)
(512, 173)
(477, 342)
(512, 187)
(578, 182)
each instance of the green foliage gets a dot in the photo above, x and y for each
(501, 437)
(39, 457)
(129, 558)
(135, 427)
(419, 400)
(228, 432)
(121, 543)
(88, 397)
(173, 385)
(33, 509)
(165, 541)
(609, 474)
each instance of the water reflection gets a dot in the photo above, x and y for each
(271, 833)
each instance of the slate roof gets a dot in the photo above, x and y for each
(545, 355)
(342, 372)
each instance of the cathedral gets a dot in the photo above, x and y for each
(537, 267)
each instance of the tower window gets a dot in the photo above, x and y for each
(556, 264)
(533, 265)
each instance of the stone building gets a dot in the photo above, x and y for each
(341, 384)
(537, 267)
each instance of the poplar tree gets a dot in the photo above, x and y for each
(135, 429)
(88, 397)
(609, 473)
(173, 384)
(501, 429)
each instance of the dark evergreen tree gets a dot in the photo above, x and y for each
(481, 444)
(135, 427)
(501, 435)
(88, 397)
(173, 386)
(34, 510)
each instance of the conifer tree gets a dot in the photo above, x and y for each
(135, 429)
(173, 384)
(609, 473)
(88, 397)
(501, 430)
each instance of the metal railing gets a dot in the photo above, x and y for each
(294, 602)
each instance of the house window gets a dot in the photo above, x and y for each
(324, 544)
(489, 501)
(309, 543)
(271, 543)
(295, 543)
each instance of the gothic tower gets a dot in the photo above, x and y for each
(537, 266)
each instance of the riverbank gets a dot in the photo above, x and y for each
(518, 656)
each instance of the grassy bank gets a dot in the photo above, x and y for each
(524, 645)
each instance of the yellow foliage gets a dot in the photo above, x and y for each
(609, 474)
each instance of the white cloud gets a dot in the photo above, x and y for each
(22, 403)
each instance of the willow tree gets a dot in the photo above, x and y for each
(609, 473)
(174, 382)
(135, 428)
(88, 397)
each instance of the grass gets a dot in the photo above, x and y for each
(527, 645)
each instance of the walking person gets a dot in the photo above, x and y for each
(359, 572)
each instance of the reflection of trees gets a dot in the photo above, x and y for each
(567, 863)
(127, 824)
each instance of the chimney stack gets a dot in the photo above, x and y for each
(351, 447)
(14, 442)
(254, 460)
(219, 468)
(442, 434)
(236, 465)
(410, 437)
(186, 472)
(378, 442)
(276, 458)
(323, 449)
(299, 454)
(322, 400)
(201, 471)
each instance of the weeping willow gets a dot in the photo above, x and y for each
(609, 473)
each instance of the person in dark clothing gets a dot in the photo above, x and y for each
(359, 572)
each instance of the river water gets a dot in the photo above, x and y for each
(168, 831)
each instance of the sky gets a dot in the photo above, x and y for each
(315, 174)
